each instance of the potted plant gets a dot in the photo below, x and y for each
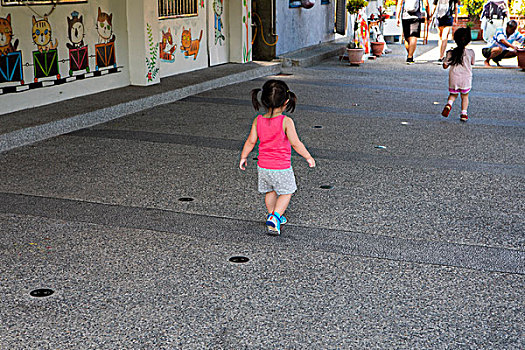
(376, 25)
(354, 49)
(474, 33)
(474, 9)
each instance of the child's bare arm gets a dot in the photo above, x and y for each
(248, 145)
(298, 146)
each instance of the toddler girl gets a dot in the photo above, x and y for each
(460, 61)
(276, 133)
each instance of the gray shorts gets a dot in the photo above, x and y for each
(280, 181)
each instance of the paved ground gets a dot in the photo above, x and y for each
(419, 245)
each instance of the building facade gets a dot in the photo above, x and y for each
(53, 51)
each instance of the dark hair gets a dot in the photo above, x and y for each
(513, 24)
(462, 38)
(275, 93)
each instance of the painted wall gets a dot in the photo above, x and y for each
(299, 27)
(219, 31)
(58, 80)
(187, 50)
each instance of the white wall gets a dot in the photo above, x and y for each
(219, 41)
(299, 27)
(21, 20)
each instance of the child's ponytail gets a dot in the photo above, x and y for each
(462, 38)
(292, 100)
(255, 100)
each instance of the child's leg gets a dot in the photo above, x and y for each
(282, 203)
(270, 199)
(451, 98)
(464, 103)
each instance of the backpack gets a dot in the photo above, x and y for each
(495, 9)
(411, 7)
(444, 8)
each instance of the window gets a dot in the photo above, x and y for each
(177, 8)
(36, 2)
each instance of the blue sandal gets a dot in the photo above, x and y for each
(273, 223)
(282, 218)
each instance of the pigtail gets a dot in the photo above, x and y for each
(292, 100)
(255, 100)
(462, 38)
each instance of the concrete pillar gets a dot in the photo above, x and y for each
(143, 29)
(240, 31)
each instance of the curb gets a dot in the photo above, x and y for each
(307, 57)
(42, 132)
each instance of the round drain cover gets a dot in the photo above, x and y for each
(239, 259)
(40, 293)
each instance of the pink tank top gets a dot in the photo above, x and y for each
(275, 151)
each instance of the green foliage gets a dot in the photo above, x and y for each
(151, 62)
(474, 8)
(353, 6)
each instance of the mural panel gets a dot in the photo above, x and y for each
(46, 62)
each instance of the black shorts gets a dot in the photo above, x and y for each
(446, 21)
(411, 27)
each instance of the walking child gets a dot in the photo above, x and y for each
(276, 134)
(460, 61)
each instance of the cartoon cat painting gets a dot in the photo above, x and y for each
(6, 36)
(105, 27)
(166, 46)
(76, 31)
(189, 46)
(42, 35)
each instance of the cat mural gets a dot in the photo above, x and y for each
(105, 27)
(78, 52)
(42, 35)
(6, 36)
(105, 49)
(76, 31)
(189, 46)
(10, 59)
(167, 47)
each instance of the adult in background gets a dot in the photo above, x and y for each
(409, 13)
(502, 44)
(445, 12)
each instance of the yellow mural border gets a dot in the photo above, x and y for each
(39, 2)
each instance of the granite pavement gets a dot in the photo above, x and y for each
(418, 244)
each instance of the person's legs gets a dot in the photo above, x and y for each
(412, 44)
(464, 103)
(446, 110)
(443, 40)
(282, 203)
(270, 199)
(493, 53)
(411, 31)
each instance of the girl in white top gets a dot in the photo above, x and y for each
(460, 61)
